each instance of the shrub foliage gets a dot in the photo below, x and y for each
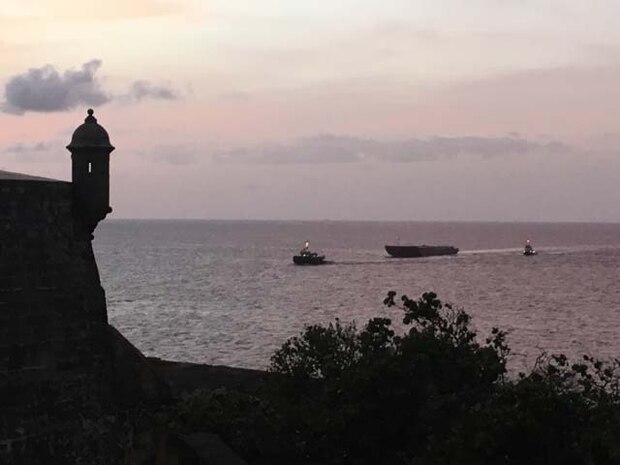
(433, 395)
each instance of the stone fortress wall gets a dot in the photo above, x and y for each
(52, 312)
(62, 368)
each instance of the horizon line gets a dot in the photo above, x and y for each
(329, 220)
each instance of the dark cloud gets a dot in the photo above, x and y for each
(338, 149)
(46, 90)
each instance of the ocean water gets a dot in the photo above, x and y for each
(227, 292)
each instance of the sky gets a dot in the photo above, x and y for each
(458, 110)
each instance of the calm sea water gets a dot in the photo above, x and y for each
(227, 292)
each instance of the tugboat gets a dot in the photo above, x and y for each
(529, 250)
(306, 257)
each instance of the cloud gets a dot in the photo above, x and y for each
(36, 151)
(141, 90)
(20, 148)
(46, 90)
(324, 149)
(176, 155)
(319, 149)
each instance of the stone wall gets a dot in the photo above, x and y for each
(54, 366)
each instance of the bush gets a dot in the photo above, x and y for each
(560, 413)
(433, 395)
(374, 397)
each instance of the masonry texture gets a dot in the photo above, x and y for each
(73, 390)
(69, 383)
(52, 315)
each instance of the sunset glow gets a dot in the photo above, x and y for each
(404, 110)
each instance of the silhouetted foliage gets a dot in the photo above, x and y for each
(433, 395)
(559, 413)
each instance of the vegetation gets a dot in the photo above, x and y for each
(433, 395)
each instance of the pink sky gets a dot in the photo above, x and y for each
(414, 110)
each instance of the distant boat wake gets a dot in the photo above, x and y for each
(552, 250)
(387, 260)
(489, 251)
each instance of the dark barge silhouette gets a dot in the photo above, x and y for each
(414, 251)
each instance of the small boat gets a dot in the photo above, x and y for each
(306, 257)
(410, 251)
(529, 250)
